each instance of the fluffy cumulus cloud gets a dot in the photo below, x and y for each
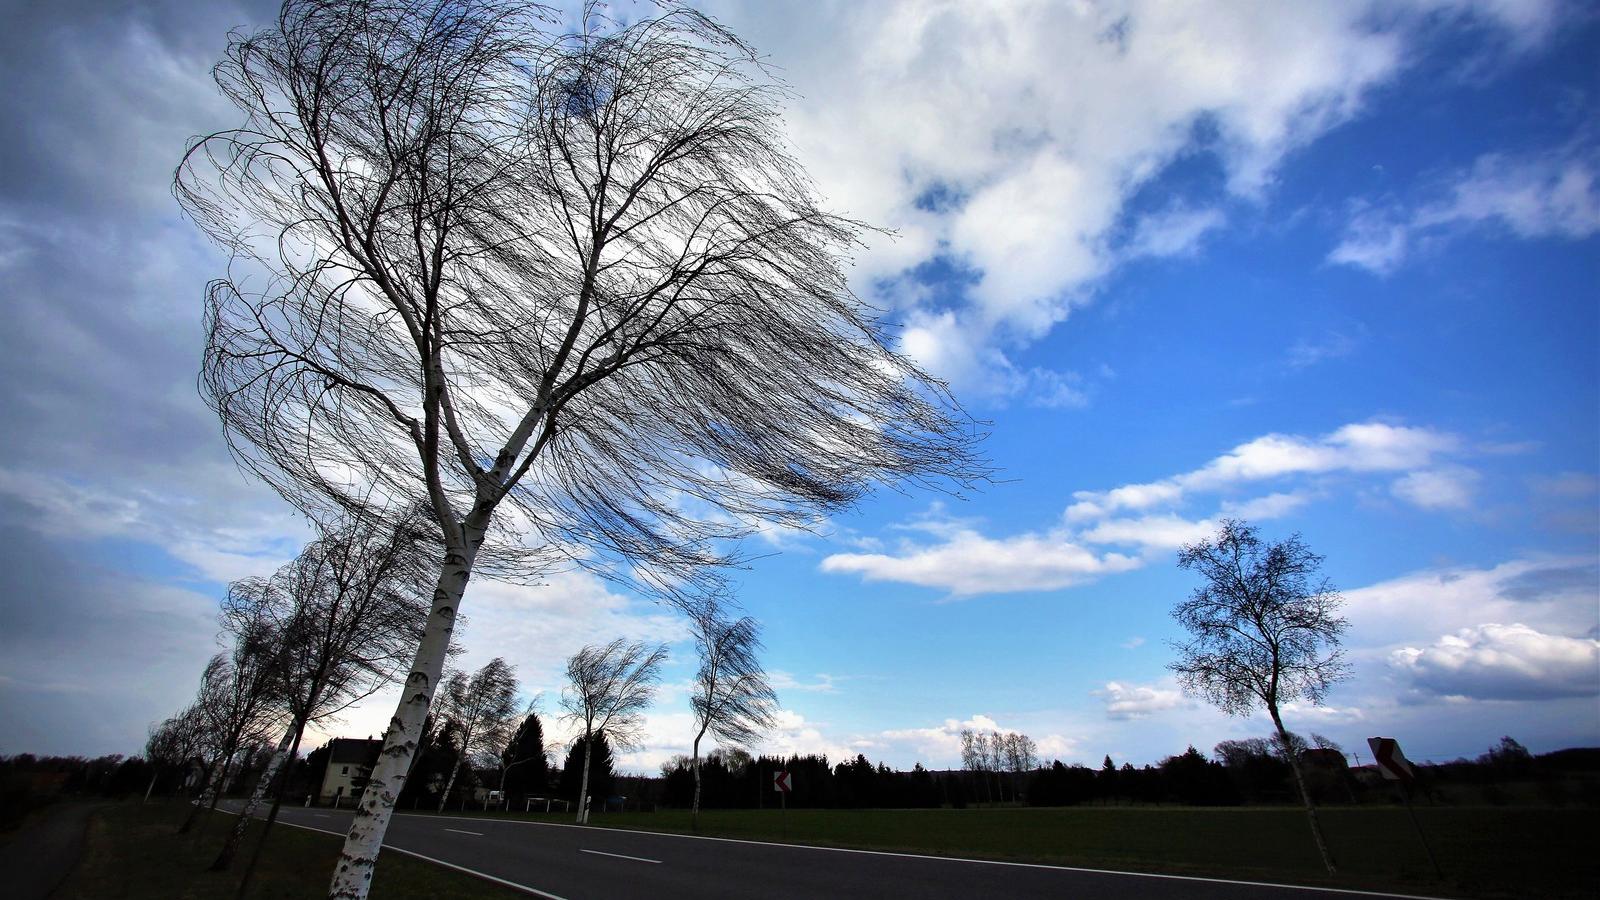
(1110, 531)
(1555, 194)
(1135, 701)
(966, 129)
(1503, 662)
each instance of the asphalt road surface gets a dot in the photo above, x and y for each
(569, 862)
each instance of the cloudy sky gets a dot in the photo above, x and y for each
(1330, 267)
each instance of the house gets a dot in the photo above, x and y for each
(350, 762)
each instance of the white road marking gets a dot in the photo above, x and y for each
(655, 862)
(950, 859)
(322, 815)
(459, 831)
(438, 862)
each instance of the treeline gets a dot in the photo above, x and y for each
(1251, 771)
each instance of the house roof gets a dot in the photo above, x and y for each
(361, 751)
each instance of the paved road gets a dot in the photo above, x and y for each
(43, 852)
(569, 862)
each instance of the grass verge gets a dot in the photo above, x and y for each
(1490, 853)
(131, 853)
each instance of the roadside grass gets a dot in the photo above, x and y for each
(131, 853)
(1484, 852)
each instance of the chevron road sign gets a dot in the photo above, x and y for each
(1391, 762)
(780, 782)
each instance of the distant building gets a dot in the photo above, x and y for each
(350, 762)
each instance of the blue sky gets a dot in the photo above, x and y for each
(1330, 267)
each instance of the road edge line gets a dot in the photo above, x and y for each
(438, 862)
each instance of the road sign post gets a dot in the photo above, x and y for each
(1395, 767)
(780, 783)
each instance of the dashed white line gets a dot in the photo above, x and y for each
(459, 831)
(654, 862)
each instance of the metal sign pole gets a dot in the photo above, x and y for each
(1405, 793)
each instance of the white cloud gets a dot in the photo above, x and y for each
(1555, 595)
(1450, 487)
(1357, 447)
(1503, 662)
(1547, 195)
(969, 563)
(1136, 701)
(957, 126)
(966, 562)
(1149, 532)
(1271, 506)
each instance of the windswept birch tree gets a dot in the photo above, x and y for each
(572, 292)
(238, 704)
(732, 698)
(346, 615)
(172, 745)
(608, 689)
(484, 708)
(1264, 630)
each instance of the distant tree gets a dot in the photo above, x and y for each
(975, 755)
(608, 689)
(1264, 630)
(173, 744)
(1508, 759)
(523, 765)
(346, 614)
(731, 699)
(239, 703)
(484, 708)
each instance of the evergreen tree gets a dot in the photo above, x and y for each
(600, 773)
(527, 772)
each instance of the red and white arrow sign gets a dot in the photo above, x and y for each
(780, 782)
(1391, 762)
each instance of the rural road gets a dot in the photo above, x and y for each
(569, 862)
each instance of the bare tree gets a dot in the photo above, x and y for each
(239, 703)
(607, 692)
(484, 708)
(483, 265)
(732, 698)
(347, 614)
(975, 757)
(1264, 630)
(173, 744)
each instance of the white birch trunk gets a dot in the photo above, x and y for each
(583, 786)
(237, 833)
(352, 876)
(454, 770)
(694, 816)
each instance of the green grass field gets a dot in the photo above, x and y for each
(1485, 852)
(133, 854)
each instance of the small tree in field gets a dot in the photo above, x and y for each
(1264, 631)
(732, 699)
(570, 292)
(607, 692)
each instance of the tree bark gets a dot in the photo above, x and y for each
(210, 793)
(272, 815)
(583, 786)
(352, 876)
(451, 781)
(694, 817)
(236, 833)
(1305, 795)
